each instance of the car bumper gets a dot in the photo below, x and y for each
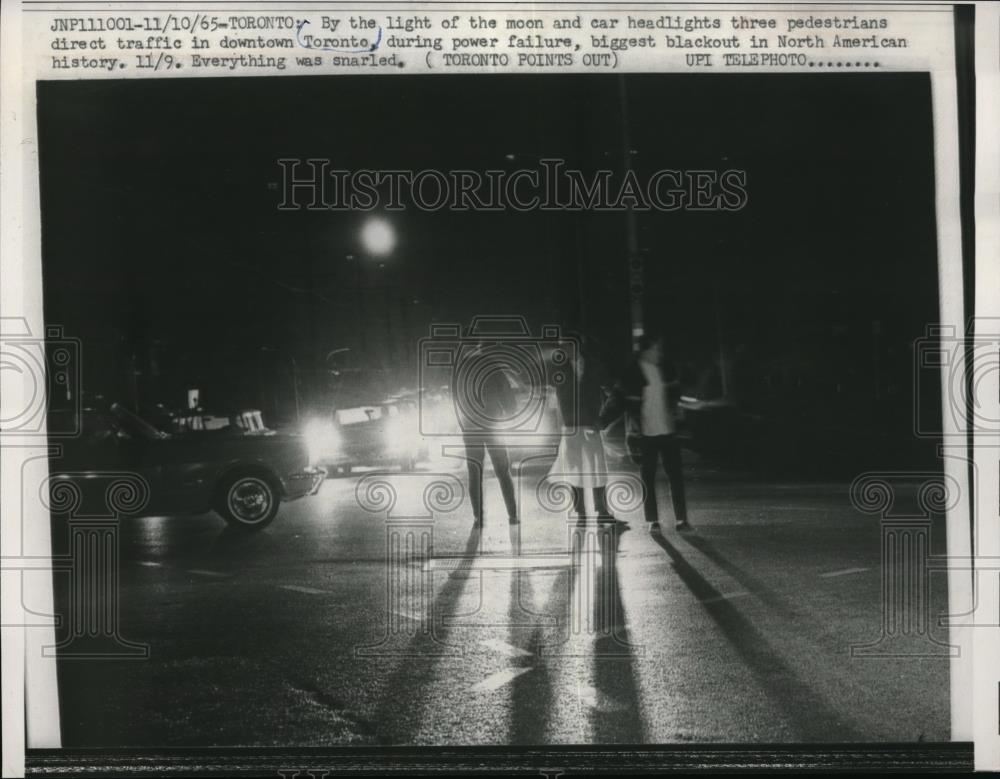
(304, 482)
(369, 455)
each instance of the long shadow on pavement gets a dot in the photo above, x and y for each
(613, 714)
(616, 718)
(411, 675)
(808, 713)
(531, 692)
(747, 580)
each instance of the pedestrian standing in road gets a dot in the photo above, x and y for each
(581, 460)
(482, 411)
(653, 393)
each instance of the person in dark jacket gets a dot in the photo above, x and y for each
(483, 409)
(653, 394)
(581, 461)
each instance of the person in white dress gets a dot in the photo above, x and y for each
(581, 461)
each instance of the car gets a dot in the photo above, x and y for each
(382, 434)
(242, 475)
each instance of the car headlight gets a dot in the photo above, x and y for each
(442, 419)
(322, 440)
(402, 435)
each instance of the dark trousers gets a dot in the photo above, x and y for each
(475, 458)
(668, 448)
(600, 503)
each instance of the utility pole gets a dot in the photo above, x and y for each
(720, 338)
(635, 269)
(359, 299)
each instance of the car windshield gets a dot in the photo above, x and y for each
(135, 425)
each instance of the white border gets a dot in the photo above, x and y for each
(973, 705)
(986, 658)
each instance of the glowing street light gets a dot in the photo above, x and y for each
(378, 237)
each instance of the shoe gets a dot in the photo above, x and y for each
(685, 525)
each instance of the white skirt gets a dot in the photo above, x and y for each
(581, 461)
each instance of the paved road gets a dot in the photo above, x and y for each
(344, 623)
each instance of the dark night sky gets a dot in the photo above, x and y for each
(158, 219)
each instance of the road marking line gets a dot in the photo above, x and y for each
(499, 679)
(845, 572)
(307, 590)
(150, 564)
(499, 563)
(202, 572)
(508, 649)
(591, 697)
(726, 596)
(404, 615)
(587, 695)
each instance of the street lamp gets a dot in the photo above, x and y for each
(378, 237)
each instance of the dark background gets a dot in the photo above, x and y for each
(164, 250)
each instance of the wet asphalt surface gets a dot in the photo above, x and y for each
(350, 621)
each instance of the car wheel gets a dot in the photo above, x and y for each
(249, 501)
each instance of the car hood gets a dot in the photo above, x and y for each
(247, 444)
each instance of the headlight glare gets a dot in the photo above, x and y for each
(322, 439)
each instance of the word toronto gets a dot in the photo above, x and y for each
(311, 184)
